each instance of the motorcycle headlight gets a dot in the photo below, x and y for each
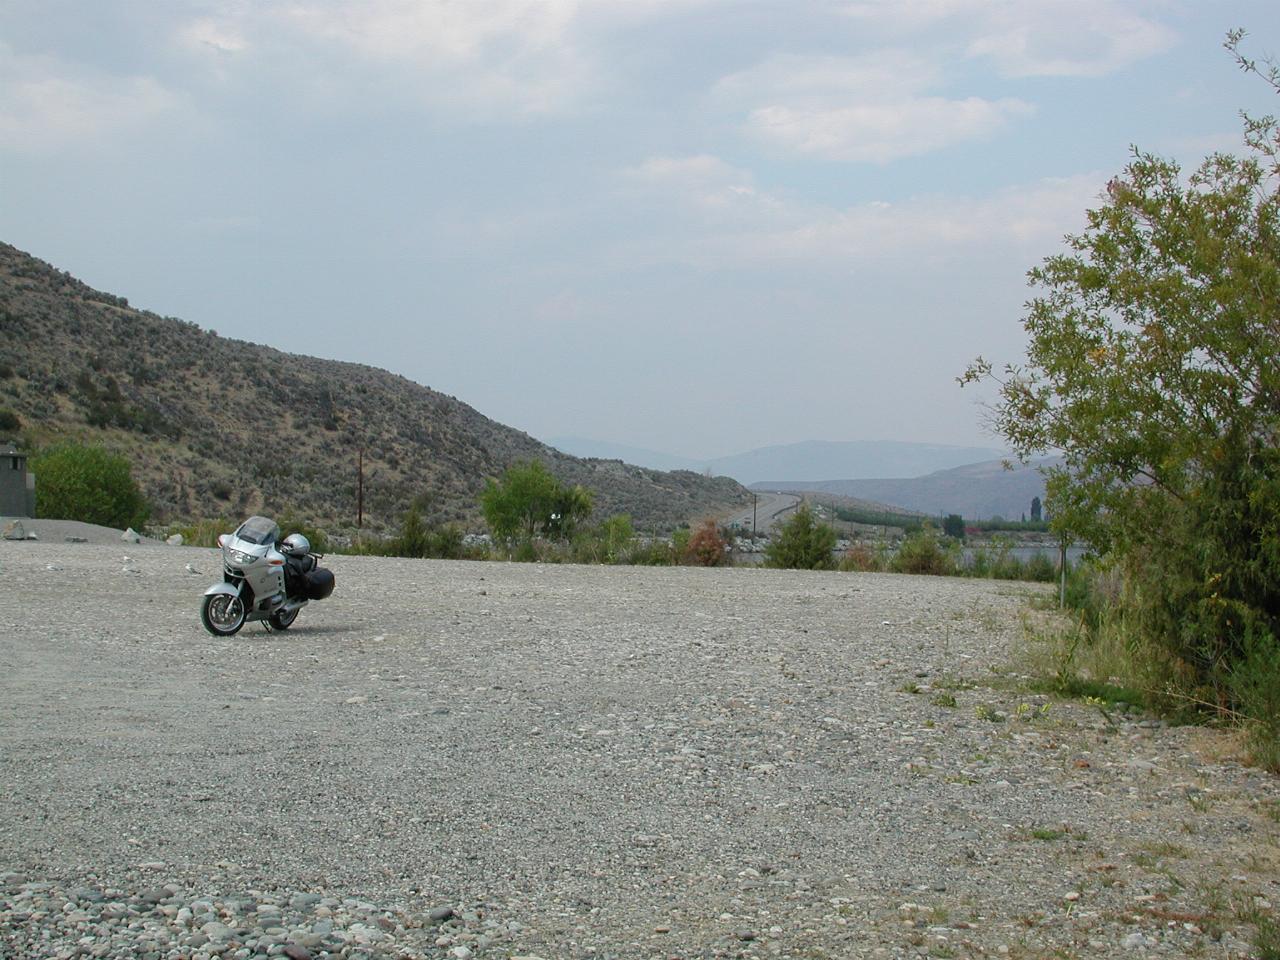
(242, 558)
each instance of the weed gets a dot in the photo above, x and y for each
(1267, 938)
(985, 711)
(944, 700)
(909, 687)
(1163, 848)
(1200, 802)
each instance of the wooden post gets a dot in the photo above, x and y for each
(360, 491)
(1062, 569)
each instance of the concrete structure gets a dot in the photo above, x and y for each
(17, 487)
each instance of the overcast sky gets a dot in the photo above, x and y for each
(697, 226)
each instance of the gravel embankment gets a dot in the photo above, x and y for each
(496, 760)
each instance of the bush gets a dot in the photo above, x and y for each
(706, 547)
(654, 553)
(922, 553)
(802, 543)
(77, 482)
(9, 421)
(861, 558)
(608, 542)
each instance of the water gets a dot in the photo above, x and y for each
(1025, 552)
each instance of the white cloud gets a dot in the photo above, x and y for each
(883, 131)
(1031, 219)
(703, 181)
(46, 105)
(1025, 221)
(867, 109)
(699, 170)
(1029, 38)
(209, 35)
(476, 58)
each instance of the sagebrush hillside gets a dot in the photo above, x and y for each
(222, 428)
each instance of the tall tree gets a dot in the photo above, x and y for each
(1152, 365)
(528, 502)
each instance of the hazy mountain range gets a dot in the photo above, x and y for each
(976, 491)
(811, 460)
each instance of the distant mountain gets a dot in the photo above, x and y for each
(222, 428)
(818, 459)
(975, 491)
(604, 450)
(831, 460)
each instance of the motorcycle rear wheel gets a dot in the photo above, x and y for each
(222, 614)
(283, 621)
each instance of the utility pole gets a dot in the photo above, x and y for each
(360, 491)
(754, 498)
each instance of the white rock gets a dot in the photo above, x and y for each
(176, 540)
(131, 536)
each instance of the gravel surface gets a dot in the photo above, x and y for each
(500, 760)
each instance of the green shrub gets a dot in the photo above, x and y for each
(802, 543)
(9, 421)
(654, 553)
(922, 553)
(77, 482)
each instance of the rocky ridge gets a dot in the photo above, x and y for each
(222, 428)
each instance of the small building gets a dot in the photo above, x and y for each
(17, 487)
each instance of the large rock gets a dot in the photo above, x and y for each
(15, 531)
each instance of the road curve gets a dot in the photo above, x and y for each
(769, 507)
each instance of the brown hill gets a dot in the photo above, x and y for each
(222, 428)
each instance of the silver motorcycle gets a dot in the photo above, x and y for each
(263, 578)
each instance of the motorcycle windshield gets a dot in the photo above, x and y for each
(259, 530)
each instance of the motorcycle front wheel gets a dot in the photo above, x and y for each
(222, 614)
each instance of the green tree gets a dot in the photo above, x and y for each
(77, 482)
(802, 543)
(1152, 366)
(953, 526)
(528, 502)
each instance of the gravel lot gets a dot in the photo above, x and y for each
(501, 760)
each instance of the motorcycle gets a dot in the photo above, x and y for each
(263, 578)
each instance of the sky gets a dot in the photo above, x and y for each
(694, 226)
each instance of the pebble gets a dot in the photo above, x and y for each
(43, 918)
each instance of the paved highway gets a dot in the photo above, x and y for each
(769, 508)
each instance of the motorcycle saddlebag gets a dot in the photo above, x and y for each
(319, 583)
